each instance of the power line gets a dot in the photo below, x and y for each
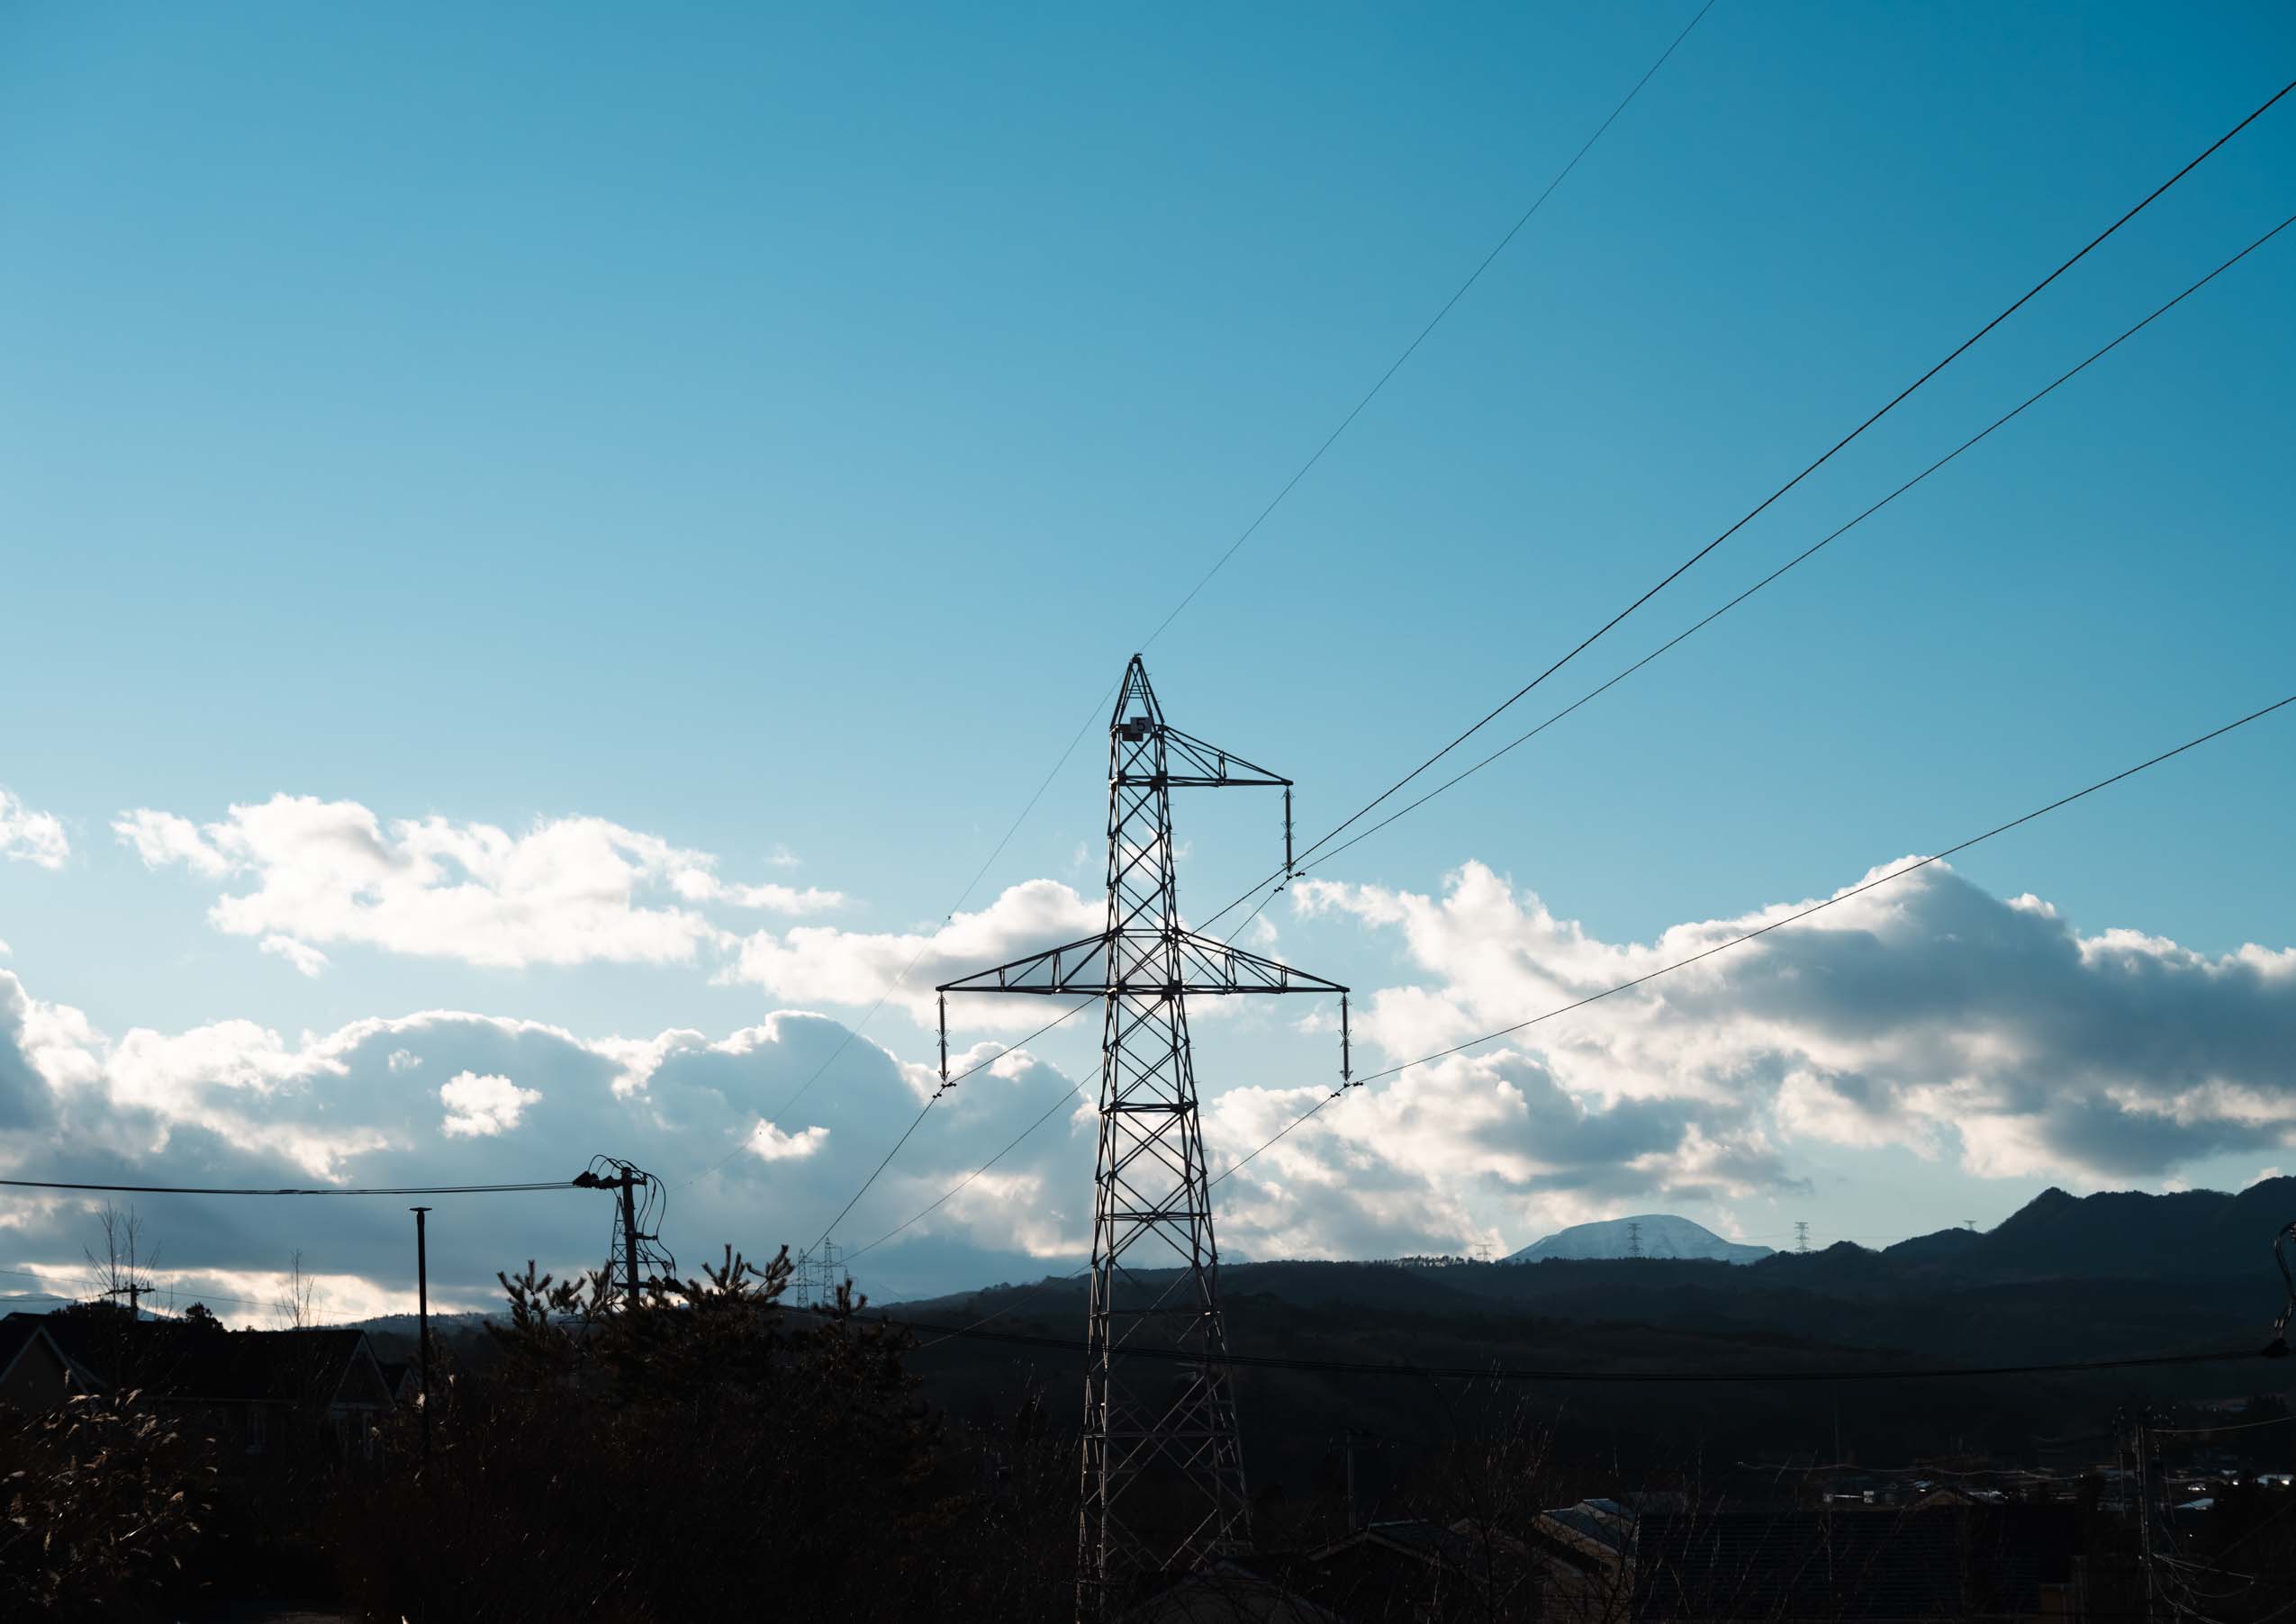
(2277, 1421)
(1233, 548)
(921, 1114)
(1740, 941)
(1434, 322)
(1800, 1230)
(1509, 1373)
(925, 944)
(165, 1189)
(939, 1201)
(1806, 553)
(174, 1286)
(1749, 517)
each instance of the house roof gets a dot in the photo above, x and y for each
(18, 1334)
(192, 1364)
(1612, 1532)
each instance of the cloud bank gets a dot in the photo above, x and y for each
(446, 1097)
(301, 872)
(1927, 1016)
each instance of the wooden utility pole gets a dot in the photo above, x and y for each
(422, 1313)
(629, 1234)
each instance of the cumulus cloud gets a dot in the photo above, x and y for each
(769, 1144)
(30, 836)
(1991, 1035)
(479, 1107)
(307, 960)
(1925, 1015)
(235, 1103)
(698, 885)
(820, 964)
(302, 872)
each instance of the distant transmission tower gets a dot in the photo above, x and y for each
(1633, 1237)
(1163, 1471)
(637, 1254)
(1801, 1236)
(818, 1274)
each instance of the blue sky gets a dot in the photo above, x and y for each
(770, 432)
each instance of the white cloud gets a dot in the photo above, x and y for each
(571, 891)
(30, 836)
(700, 885)
(237, 1103)
(1925, 1014)
(161, 838)
(477, 1106)
(820, 964)
(769, 1144)
(307, 960)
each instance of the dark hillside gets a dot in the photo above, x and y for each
(2143, 1275)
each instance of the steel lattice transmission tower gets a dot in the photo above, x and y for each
(1162, 1469)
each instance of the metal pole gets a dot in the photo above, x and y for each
(630, 1233)
(422, 1312)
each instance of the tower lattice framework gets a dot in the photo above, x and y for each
(1162, 1467)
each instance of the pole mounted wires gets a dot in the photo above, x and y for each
(1251, 529)
(1679, 569)
(407, 1189)
(1776, 925)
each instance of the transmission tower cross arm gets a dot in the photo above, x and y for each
(1141, 963)
(1146, 964)
(1191, 764)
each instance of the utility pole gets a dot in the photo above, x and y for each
(632, 1246)
(133, 1290)
(422, 1320)
(1150, 1421)
(629, 1236)
(1801, 1235)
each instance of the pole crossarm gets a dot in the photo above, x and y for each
(1143, 964)
(1202, 766)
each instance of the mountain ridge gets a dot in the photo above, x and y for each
(1654, 1234)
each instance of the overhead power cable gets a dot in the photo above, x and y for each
(1433, 323)
(1222, 561)
(171, 1189)
(1015, 1142)
(165, 1286)
(2276, 1420)
(1752, 513)
(925, 944)
(914, 1125)
(1812, 550)
(942, 1199)
(1517, 1373)
(1776, 925)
